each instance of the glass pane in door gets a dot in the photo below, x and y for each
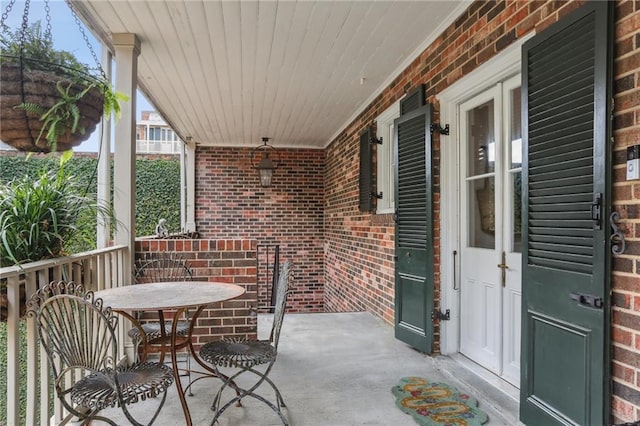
(481, 147)
(516, 129)
(515, 169)
(516, 231)
(482, 213)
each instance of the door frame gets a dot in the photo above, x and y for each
(502, 66)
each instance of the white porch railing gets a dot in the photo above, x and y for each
(96, 270)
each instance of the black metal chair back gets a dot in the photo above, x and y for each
(75, 328)
(246, 354)
(281, 303)
(165, 268)
(78, 334)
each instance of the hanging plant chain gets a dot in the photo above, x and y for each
(5, 15)
(86, 39)
(25, 25)
(47, 10)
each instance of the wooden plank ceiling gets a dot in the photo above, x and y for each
(229, 72)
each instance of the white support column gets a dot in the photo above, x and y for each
(127, 49)
(189, 166)
(104, 162)
(183, 187)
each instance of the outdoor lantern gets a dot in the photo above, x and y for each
(269, 160)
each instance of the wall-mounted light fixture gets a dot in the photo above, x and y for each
(265, 158)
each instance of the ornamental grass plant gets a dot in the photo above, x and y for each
(45, 218)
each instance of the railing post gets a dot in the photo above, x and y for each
(31, 286)
(82, 268)
(13, 346)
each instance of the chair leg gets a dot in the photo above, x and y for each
(244, 394)
(93, 417)
(155, 415)
(84, 417)
(98, 418)
(279, 398)
(241, 393)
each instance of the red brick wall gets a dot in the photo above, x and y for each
(359, 247)
(231, 204)
(228, 261)
(359, 264)
(626, 199)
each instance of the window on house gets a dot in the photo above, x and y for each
(386, 168)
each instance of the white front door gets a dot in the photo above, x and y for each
(490, 285)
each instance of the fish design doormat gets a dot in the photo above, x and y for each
(437, 404)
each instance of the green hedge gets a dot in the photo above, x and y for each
(157, 185)
(157, 196)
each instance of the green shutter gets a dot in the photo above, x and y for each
(566, 89)
(413, 100)
(366, 171)
(414, 287)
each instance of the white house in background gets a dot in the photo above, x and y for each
(154, 136)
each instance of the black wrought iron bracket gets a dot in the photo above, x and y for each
(618, 244)
(375, 140)
(377, 195)
(435, 127)
(441, 316)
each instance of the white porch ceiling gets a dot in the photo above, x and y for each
(230, 72)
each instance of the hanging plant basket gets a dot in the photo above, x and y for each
(23, 129)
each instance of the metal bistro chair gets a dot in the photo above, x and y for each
(245, 355)
(79, 335)
(150, 337)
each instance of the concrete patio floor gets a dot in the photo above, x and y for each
(337, 370)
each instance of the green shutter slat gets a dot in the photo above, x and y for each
(562, 256)
(560, 264)
(568, 222)
(560, 183)
(412, 186)
(566, 136)
(540, 193)
(571, 240)
(556, 156)
(561, 248)
(560, 153)
(560, 233)
(555, 102)
(574, 169)
(562, 202)
(553, 214)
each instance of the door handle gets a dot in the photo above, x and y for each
(503, 266)
(455, 280)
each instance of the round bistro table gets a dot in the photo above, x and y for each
(177, 296)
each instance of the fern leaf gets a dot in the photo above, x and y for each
(31, 108)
